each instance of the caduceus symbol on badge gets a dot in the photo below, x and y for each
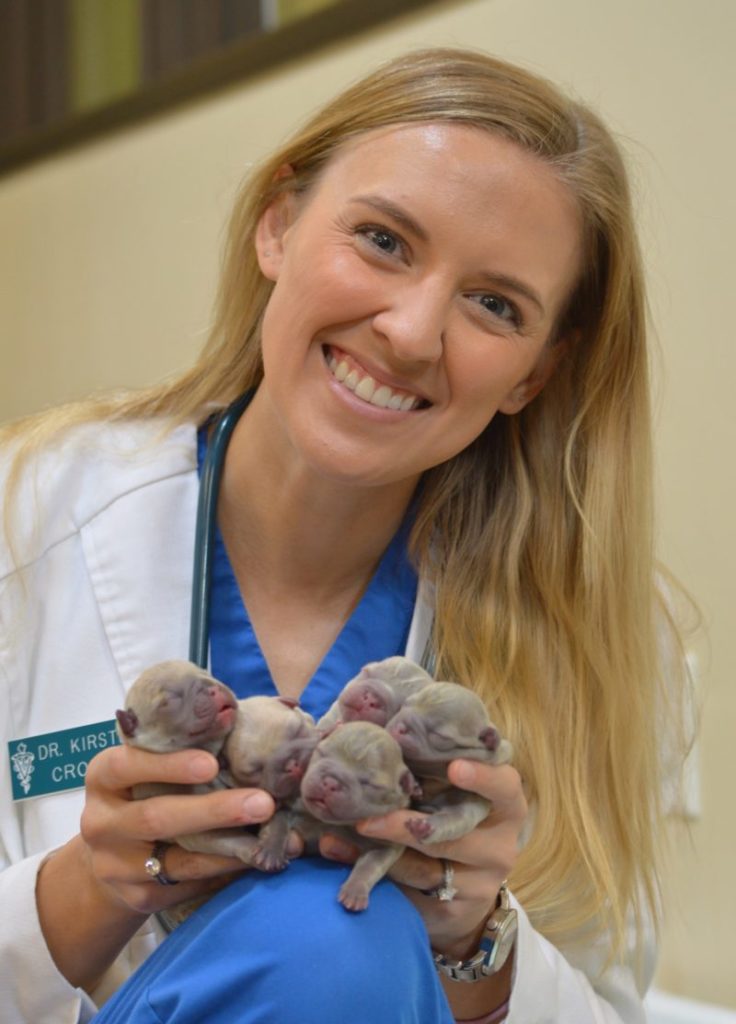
(23, 766)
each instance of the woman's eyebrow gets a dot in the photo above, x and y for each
(398, 214)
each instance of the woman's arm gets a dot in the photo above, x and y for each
(541, 982)
(481, 861)
(94, 892)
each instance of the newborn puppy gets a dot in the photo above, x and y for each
(174, 705)
(265, 741)
(270, 745)
(355, 772)
(269, 748)
(437, 724)
(376, 693)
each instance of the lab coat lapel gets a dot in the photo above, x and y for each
(139, 553)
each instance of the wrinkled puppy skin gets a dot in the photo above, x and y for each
(355, 772)
(435, 725)
(269, 748)
(376, 693)
(176, 705)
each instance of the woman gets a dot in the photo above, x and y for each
(434, 293)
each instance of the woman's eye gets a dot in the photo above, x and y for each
(500, 308)
(381, 239)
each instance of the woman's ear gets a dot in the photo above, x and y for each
(527, 389)
(272, 227)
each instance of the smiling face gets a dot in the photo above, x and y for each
(416, 288)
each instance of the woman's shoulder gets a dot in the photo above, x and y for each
(52, 489)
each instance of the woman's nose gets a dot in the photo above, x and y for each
(413, 323)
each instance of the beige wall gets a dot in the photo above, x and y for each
(108, 258)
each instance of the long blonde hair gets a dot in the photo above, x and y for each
(538, 536)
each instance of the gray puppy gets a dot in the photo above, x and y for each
(435, 725)
(376, 693)
(355, 772)
(174, 705)
(263, 742)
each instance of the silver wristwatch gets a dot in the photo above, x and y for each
(497, 942)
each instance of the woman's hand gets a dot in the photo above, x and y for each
(119, 832)
(481, 860)
(94, 892)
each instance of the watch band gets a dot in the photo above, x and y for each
(498, 940)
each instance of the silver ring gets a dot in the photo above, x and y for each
(445, 891)
(155, 865)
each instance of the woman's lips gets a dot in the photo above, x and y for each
(349, 373)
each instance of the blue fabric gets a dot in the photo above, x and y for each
(377, 629)
(280, 949)
(277, 949)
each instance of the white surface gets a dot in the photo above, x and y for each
(663, 1008)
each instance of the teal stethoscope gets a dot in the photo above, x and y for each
(204, 534)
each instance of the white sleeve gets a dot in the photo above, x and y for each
(33, 990)
(575, 987)
(45, 634)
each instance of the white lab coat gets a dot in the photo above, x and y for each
(104, 545)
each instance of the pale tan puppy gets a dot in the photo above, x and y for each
(174, 705)
(356, 772)
(437, 724)
(377, 692)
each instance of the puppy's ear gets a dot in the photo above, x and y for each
(410, 785)
(128, 722)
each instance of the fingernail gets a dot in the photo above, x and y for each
(463, 773)
(258, 806)
(372, 826)
(202, 767)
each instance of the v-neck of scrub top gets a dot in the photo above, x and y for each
(377, 628)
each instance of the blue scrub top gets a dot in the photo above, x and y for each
(378, 627)
(277, 949)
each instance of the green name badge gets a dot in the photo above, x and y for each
(56, 761)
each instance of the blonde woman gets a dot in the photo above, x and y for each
(432, 296)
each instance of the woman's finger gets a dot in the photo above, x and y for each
(500, 784)
(165, 817)
(490, 846)
(120, 768)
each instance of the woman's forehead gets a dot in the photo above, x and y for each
(460, 182)
(445, 156)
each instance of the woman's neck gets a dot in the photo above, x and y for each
(303, 549)
(286, 526)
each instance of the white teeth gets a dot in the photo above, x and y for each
(381, 397)
(366, 388)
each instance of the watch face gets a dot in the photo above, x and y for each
(504, 936)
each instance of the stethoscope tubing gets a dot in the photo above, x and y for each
(204, 532)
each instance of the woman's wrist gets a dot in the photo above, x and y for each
(476, 1001)
(83, 927)
(494, 1017)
